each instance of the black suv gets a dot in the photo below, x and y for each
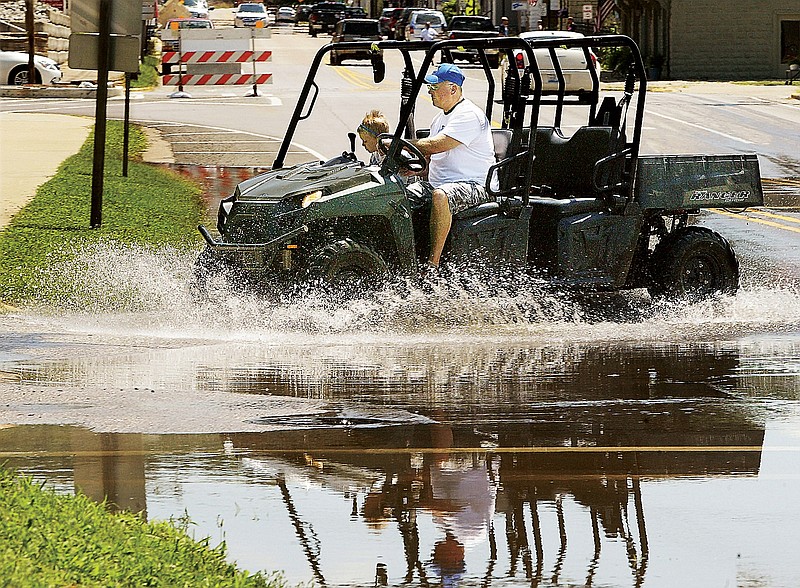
(324, 16)
(356, 29)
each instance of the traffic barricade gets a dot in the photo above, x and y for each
(215, 57)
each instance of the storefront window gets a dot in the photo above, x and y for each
(790, 40)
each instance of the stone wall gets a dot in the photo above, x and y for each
(720, 39)
(51, 30)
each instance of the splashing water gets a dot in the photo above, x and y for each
(150, 290)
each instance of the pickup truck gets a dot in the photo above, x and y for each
(324, 16)
(472, 27)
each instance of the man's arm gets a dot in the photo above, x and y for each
(438, 144)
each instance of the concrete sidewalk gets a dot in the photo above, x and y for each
(27, 161)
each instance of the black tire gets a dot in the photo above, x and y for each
(346, 268)
(335, 59)
(693, 263)
(19, 76)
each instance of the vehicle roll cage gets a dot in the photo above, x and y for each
(523, 90)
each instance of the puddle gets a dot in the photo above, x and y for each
(572, 465)
(449, 438)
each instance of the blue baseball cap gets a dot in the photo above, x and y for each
(446, 72)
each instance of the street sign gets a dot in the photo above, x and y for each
(587, 11)
(126, 17)
(123, 52)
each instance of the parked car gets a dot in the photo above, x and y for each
(385, 20)
(472, 27)
(324, 16)
(248, 14)
(197, 8)
(171, 42)
(355, 29)
(14, 69)
(302, 12)
(417, 20)
(393, 18)
(577, 76)
(355, 12)
(285, 14)
(182, 23)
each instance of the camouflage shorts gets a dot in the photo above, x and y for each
(460, 195)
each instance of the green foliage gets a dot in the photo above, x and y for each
(450, 8)
(152, 207)
(50, 539)
(616, 59)
(148, 73)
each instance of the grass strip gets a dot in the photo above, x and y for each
(50, 539)
(151, 208)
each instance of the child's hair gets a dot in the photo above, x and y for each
(374, 123)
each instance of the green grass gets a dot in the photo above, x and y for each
(49, 539)
(148, 74)
(151, 208)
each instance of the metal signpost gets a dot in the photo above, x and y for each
(108, 31)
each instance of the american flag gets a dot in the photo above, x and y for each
(604, 8)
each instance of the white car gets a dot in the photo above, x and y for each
(14, 69)
(248, 14)
(577, 77)
(197, 8)
(285, 14)
(417, 21)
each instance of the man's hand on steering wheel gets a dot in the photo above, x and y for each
(408, 157)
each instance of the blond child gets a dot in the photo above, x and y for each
(374, 124)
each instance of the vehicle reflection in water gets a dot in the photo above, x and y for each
(595, 467)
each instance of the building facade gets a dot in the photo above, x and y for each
(714, 39)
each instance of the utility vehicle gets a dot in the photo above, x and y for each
(577, 204)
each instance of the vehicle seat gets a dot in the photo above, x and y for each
(565, 166)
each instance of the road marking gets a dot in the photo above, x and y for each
(701, 127)
(364, 81)
(757, 220)
(788, 219)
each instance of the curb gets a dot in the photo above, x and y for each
(55, 92)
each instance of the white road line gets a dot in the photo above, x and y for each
(701, 127)
(218, 142)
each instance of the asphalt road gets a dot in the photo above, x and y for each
(221, 126)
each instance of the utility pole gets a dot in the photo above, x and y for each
(29, 13)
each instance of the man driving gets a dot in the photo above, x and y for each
(460, 152)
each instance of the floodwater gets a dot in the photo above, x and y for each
(449, 437)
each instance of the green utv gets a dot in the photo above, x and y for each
(583, 210)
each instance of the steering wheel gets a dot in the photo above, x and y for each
(408, 157)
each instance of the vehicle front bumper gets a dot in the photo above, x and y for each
(249, 256)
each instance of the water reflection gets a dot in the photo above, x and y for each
(526, 466)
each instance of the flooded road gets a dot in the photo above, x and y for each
(438, 438)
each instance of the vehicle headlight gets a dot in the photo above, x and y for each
(309, 198)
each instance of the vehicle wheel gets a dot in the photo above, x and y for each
(346, 268)
(335, 59)
(694, 263)
(19, 76)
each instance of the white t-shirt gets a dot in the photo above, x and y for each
(470, 161)
(428, 34)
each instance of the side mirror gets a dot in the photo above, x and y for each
(378, 68)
